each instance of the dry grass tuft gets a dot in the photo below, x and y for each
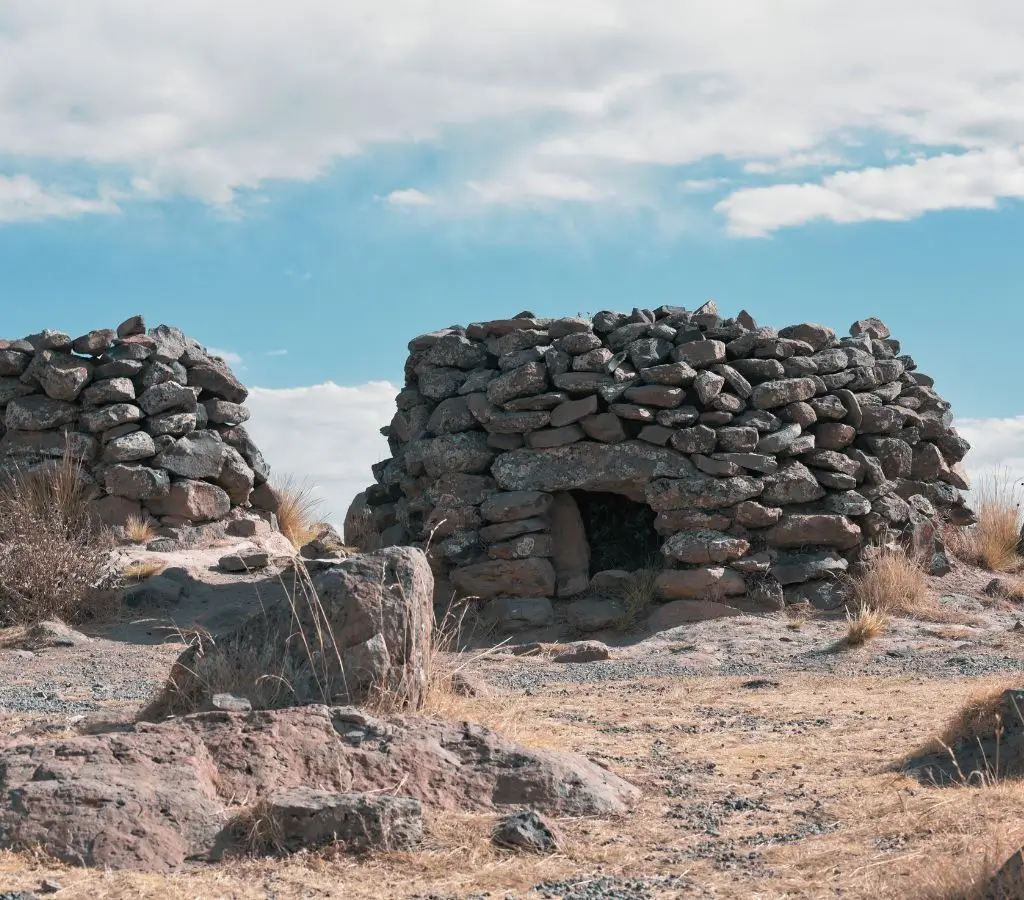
(53, 557)
(139, 530)
(638, 596)
(143, 569)
(865, 625)
(979, 717)
(993, 543)
(297, 510)
(893, 582)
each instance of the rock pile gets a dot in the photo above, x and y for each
(155, 420)
(553, 458)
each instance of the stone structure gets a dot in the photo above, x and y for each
(547, 458)
(155, 420)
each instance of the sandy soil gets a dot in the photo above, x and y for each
(768, 754)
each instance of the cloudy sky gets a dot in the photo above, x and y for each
(305, 185)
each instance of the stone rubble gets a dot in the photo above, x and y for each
(768, 458)
(154, 419)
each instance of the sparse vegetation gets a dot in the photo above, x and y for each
(891, 581)
(865, 625)
(142, 569)
(993, 543)
(139, 530)
(53, 557)
(638, 595)
(297, 510)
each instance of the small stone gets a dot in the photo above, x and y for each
(582, 652)
(244, 561)
(526, 831)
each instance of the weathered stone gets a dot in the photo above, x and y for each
(773, 394)
(555, 437)
(676, 374)
(793, 483)
(236, 477)
(195, 501)
(701, 492)
(803, 530)
(514, 505)
(834, 435)
(704, 547)
(245, 560)
(779, 440)
(718, 467)
(681, 417)
(37, 413)
(465, 452)
(223, 412)
(754, 462)
(668, 522)
(656, 395)
(216, 379)
(818, 336)
(751, 514)
(594, 613)
(521, 382)
(582, 382)
(801, 567)
(174, 425)
(128, 448)
(570, 552)
(708, 583)
(700, 354)
(895, 456)
(699, 439)
(516, 422)
(516, 578)
(521, 547)
(873, 327)
(167, 395)
(623, 468)
(828, 594)
(201, 455)
(572, 411)
(136, 482)
(512, 614)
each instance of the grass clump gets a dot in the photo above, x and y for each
(297, 508)
(53, 557)
(638, 596)
(139, 530)
(892, 581)
(865, 625)
(994, 542)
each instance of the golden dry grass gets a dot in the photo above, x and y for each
(638, 595)
(297, 510)
(892, 581)
(143, 569)
(993, 542)
(139, 530)
(865, 625)
(978, 715)
(817, 752)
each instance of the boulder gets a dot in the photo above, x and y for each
(375, 615)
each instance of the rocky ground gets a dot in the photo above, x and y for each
(766, 750)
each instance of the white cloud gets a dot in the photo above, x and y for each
(997, 450)
(206, 99)
(972, 180)
(277, 353)
(23, 199)
(409, 197)
(701, 185)
(326, 433)
(229, 356)
(532, 187)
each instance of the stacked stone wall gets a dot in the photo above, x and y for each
(770, 457)
(154, 419)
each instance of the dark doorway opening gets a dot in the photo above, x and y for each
(620, 531)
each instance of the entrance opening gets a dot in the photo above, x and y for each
(620, 531)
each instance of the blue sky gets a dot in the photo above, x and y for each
(307, 185)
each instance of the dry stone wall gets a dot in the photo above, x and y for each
(532, 454)
(155, 420)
